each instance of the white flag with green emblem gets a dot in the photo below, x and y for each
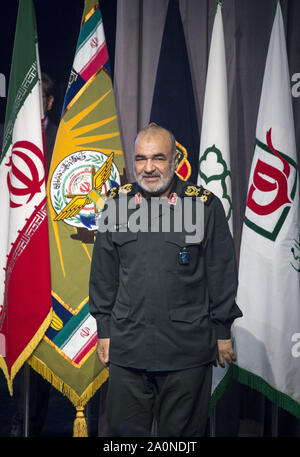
(214, 157)
(268, 335)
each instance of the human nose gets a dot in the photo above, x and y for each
(149, 166)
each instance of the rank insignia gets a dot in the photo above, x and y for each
(173, 199)
(205, 194)
(112, 192)
(125, 189)
(138, 198)
(192, 191)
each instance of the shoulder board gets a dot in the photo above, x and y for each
(128, 189)
(206, 196)
(113, 192)
(198, 191)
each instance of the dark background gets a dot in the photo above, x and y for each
(58, 25)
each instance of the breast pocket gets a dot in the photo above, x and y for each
(126, 243)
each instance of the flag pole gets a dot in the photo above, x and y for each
(88, 418)
(212, 423)
(274, 418)
(26, 399)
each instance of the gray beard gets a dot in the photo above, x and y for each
(161, 187)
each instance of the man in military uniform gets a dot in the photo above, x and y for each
(163, 306)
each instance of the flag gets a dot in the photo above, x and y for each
(173, 104)
(214, 156)
(87, 161)
(25, 288)
(269, 280)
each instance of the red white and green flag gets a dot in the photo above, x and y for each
(87, 161)
(25, 287)
(267, 337)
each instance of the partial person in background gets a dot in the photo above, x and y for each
(39, 388)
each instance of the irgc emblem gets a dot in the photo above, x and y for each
(78, 187)
(272, 189)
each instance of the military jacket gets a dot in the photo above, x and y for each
(162, 300)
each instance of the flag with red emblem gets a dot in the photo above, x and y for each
(25, 288)
(267, 337)
(87, 161)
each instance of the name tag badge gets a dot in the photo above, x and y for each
(184, 258)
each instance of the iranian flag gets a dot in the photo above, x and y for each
(25, 290)
(267, 337)
(214, 157)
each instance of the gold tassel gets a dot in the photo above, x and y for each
(80, 427)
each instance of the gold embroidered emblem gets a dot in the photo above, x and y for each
(125, 189)
(112, 192)
(191, 191)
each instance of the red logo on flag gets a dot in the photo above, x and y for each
(85, 332)
(94, 42)
(26, 176)
(85, 187)
(267, 178)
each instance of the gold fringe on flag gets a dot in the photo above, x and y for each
(80, 427)
(25, 353)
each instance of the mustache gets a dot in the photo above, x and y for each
(151, 175)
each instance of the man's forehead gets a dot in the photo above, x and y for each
(159, 137)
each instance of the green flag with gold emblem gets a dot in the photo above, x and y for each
(87, 161)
